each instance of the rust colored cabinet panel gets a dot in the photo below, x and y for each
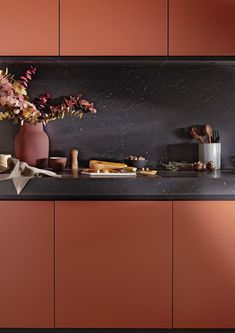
(113, 264)
(202, 27)
(26, 264)
(114, 27)
(204, 264)
(29, 28)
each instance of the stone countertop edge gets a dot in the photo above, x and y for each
(180, 186)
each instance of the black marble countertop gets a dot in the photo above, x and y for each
(180, 185)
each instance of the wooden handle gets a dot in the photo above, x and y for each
(74, 159)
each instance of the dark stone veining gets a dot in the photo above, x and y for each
(169, 186)
(144, 107)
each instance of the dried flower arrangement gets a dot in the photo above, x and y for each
(15, 103)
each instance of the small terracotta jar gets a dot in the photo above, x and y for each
(32, 145)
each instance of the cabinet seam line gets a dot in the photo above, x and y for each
(168, 26)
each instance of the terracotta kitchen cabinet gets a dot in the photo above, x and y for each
(201, 27)
(29, 28)
(203, 265)
(111, 27)
(26, 264)
(113, 264)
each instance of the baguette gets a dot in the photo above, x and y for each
(102, 165)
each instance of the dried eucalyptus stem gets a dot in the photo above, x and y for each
(176, 166)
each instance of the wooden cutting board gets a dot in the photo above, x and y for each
(110, 174)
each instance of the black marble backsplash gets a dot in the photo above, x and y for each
(144, 108)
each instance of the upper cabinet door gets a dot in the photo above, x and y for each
(29, 28)
(201, 27)
(204, 264)
(113, 264)
(26, 264)
(114, 27)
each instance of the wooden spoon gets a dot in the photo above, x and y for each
(196, 134)
(208, 131)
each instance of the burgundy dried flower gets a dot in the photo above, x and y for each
(27, 76)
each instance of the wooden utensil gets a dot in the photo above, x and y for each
(196, 134)
(208, 132)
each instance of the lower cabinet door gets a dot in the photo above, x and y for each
(26, 264)
(113, 264)
(204, 264)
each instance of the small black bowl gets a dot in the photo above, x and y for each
(139, 164)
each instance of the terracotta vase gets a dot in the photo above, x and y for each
(32, 145)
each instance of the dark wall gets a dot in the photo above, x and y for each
(143, 108)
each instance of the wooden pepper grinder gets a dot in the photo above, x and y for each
(74, 161)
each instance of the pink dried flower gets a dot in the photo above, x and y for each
(16, 104)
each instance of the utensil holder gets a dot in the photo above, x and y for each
(210, 152)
